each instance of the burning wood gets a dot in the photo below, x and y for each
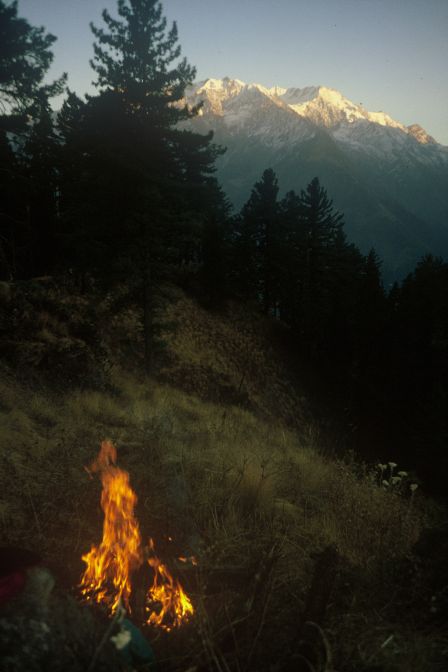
(108, 574)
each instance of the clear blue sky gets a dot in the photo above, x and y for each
(389, 55)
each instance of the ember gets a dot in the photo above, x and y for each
(107, 577)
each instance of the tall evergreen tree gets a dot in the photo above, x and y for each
(149, 179)
(257, 243)
(371, 304)
(293, 242)
(346, 265)
(25, 56)
(39, 161)
(322, 226)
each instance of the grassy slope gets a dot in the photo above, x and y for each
(224, 456)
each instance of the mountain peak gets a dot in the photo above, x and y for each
(213, 93)
(223, 84)
(321, 105)
(387, 178)
(421, 135)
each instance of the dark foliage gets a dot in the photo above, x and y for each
(27, 147)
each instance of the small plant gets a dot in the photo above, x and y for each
(398, 483)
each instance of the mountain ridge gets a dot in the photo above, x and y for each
(320, 104)
(388, 179)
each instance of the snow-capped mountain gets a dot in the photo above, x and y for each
(302, 112)
(389, 179)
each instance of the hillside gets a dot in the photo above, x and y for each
(225, 457)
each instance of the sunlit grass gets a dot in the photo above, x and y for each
(234, 461)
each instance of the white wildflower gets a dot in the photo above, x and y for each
(413, 487)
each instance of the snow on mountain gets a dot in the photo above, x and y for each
(325, 107)
(285, 115)
(389, 179)
(213, 92)
(250, 109)
(421, 135)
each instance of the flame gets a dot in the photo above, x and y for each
(107, 577)
(175, 604)
(192, 560)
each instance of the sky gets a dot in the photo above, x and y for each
(389, 55)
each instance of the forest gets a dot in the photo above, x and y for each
(109, 207)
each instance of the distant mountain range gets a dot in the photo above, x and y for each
(389, 180)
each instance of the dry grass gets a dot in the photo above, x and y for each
(228, 488)
(230, 480)
(229, 357)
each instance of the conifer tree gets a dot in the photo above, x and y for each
(372, 301)
(25, 57)
(152, 176)
(258, 242)
(293, 236)
(345, 273)
(322, 225)
(39, 160)
(75, 241)
(368, 357)
(138, 57)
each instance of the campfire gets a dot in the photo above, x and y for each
(110, 566)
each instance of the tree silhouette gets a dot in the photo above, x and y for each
(27, 213)
(257, 242)
(322, 225)
(148, 183)
(25, 57)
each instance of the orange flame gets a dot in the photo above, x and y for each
(175, 604)
(107, 577)
(109, 565)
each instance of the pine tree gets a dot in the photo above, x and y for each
(25, 57)
(293, 237)
(75, 239)
(369, 347)
(322, 226)
(147, 71)
(345, 274)
(257, 243)
(372, 301)
(152, 178)
(39, 160)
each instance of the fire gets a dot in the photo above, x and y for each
(175, 604)
(107, 578)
